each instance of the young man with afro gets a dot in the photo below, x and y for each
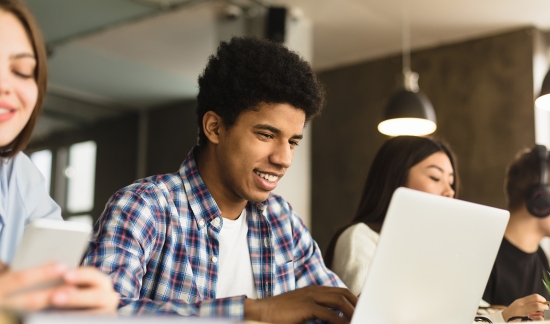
(211, 239)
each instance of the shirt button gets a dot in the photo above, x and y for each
(201, 222)
(214, 259)
(262, 207)
(216, 221)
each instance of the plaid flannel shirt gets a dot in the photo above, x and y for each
(158, 240)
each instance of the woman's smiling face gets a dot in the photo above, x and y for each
(18, 88)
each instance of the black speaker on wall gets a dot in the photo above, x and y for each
(275, 24)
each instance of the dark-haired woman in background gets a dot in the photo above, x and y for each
(406, 161)
(418, 163)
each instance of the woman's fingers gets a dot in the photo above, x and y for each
(83, 298)
(11, 282)
(84, 288)
(88, 276)
(17, 289)
(31, 301)
(89, 289)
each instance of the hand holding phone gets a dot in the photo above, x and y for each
(47, 241)
(35, 283)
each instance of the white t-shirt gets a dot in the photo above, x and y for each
(235, 276)
(352, 255)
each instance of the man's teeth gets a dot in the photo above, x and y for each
(268, 177)
(4, 111)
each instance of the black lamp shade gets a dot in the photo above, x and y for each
(545, 89)
(408, 104)
(408, 113)
(543, 101)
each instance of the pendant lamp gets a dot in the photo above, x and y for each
(408, 112)
(543, 101)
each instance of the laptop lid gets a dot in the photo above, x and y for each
(432, 262)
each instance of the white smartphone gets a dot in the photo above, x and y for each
(47, 240)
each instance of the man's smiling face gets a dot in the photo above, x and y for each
(255, 152)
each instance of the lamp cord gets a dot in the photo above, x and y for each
(406, 36)
(410, 78)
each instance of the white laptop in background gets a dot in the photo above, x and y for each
(433, 260)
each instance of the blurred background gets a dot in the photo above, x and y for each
(123, 82)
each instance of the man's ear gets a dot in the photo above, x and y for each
(211, 124)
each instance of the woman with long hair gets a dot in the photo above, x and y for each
(23, 80)
(418, 163)
(406, 161)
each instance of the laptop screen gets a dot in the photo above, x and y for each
(432, 262)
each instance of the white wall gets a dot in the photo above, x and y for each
(295, 186)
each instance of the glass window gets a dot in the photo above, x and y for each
(80, 174)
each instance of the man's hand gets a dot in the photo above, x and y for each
(532, 306)
(87, 289)
(12, 282)
(300, 305)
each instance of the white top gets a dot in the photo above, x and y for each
(23, 198)
(235, 276)
(352, 255)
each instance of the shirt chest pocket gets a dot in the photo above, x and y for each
(284, 278)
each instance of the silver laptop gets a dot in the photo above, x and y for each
(432, 262)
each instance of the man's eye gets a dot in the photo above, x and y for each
(265, 135)
(293, 143)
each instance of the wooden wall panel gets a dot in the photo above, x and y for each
(482, 92)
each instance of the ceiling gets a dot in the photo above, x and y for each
(110, 57)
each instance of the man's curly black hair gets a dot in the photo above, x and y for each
(247, 71)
